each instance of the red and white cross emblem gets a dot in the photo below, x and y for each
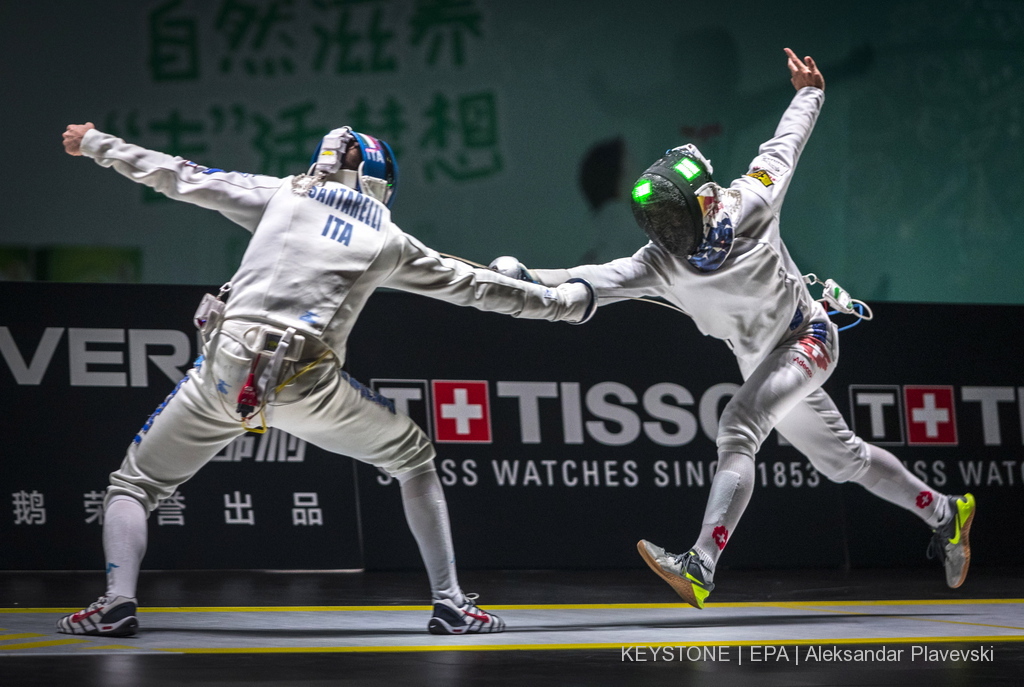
(930, 415)
(462, 411)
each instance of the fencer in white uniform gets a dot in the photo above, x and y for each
(274, 343)
(716, 253)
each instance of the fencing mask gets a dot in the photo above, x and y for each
(377, 175)
(667, 200)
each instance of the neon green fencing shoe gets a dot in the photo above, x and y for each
(951, 543)
(684, 572)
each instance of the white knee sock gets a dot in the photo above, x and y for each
(887, 478)
(426, 511)
(730, 493)
(124, 544)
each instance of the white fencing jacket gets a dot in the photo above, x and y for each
(757, 296)
(314, 259)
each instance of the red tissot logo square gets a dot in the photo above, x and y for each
(462, 412)
(930, 414)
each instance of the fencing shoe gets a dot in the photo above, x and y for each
(684, 572)
(951, 543)
(112, 617)
(453, 619)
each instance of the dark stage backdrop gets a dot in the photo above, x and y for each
(559, 446)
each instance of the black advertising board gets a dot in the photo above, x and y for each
(559, 446)
(602, 434)
(83, 368)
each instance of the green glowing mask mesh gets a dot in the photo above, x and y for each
(688, 168)
(642, 191)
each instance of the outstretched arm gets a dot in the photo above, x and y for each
(422, 270)
(771, 171)
(631, 277)
(240, 197)
(805, 73)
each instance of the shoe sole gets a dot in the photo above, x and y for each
(126, 627)
(682, 586)
(965, 533)
(437, 626)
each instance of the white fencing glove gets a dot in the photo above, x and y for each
(511, 267)
(591, 296)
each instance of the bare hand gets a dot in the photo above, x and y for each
(804, 73)
(73, 137)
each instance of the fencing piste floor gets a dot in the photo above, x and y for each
(901, 627)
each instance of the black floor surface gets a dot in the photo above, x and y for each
(530, 668)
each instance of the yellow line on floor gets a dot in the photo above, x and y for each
(914, 602)
(912, 617)
(20, 635)
(595, 646)
(756, 604)
(231, 609)
(36, 645)
(537, 607)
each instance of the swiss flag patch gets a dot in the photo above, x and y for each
(930, 415)
(462, 411)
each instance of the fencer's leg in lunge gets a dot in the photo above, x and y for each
(181, 435)
(817, 429)
(887, 478)
(125, 536)
(692, 574)
(949, 517)
(124, 545)
(730, 493)
(342, 416)
(771, 390)
(426, 511)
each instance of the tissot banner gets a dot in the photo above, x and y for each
(563, 445)
(559, 446)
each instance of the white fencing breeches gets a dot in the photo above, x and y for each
(773, 387)
(325, 407)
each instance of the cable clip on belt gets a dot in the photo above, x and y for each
(840, 300)
(248, 399)
(263, 381)
(211, 309)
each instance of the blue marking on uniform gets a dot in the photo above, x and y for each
(819, 330)
(211, 170)
(111, 566)
(369, 394)
(310, 317)
(361, 208)
(345, 202)
(222, 386)
(159, 409)
(198, 364)
(715, 248)
(798, 319)
(332, 226)
(346, 234)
